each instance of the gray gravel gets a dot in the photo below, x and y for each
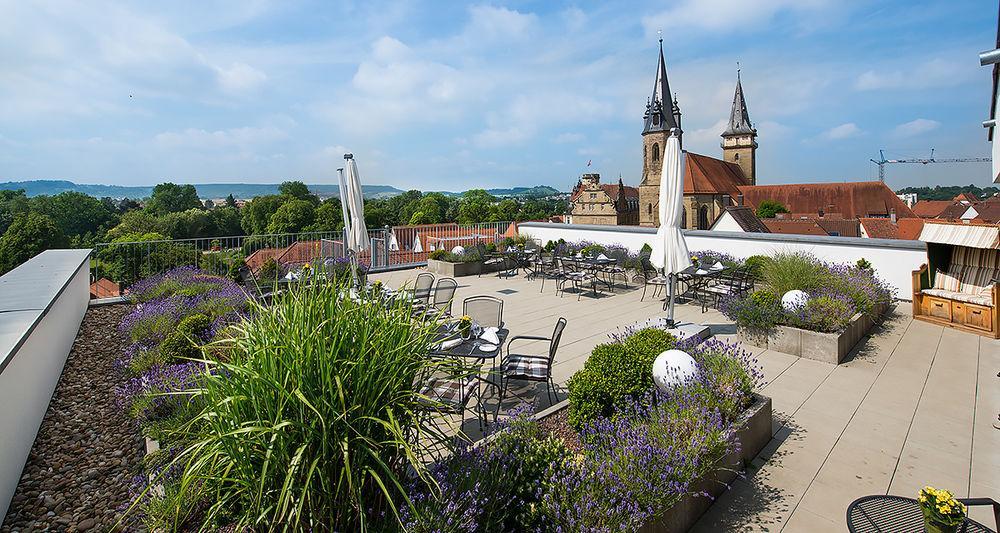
(87, 450)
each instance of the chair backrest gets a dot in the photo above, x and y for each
(554, 343)
(485, 310)
(648, 270)
(444, 293)
(422, 287)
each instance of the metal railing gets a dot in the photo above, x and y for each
(397, 247)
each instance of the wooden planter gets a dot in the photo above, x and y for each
(753, 432)
(826, 347)
(454, 270)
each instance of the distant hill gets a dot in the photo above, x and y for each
(205, 190)
(238, 190)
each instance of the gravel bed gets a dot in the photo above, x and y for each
(87, 451)
(558, 426)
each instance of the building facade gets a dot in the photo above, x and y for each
(594, 202)
(710, 184)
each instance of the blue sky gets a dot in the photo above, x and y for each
(438, 95)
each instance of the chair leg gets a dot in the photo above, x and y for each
(550, 390)
(644, 285)
(503, 392)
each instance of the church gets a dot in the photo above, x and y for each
(710, 184)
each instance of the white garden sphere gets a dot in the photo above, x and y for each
(458, 250)
(794, 299)
(672, 368)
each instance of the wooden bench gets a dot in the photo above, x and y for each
(964, 293)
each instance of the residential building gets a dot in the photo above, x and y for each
(740, 219)
(593, 202)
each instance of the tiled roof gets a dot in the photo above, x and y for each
(988, 212)
(257, 259)
(909, 228)
(747, 219)
(840, 226)
(966, 197)
(931, 208)
(794, 227)
(708, 175)
(852, 199)
(880, 228)
(104, 288)
(955, 211)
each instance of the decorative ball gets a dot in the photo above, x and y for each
(458, 250)
(794, 299)
(672, 368)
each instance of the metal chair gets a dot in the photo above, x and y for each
(531, 367)
(736, 282)
(444, 294)
(651, 276)
(485, 310)
(573, 273)
(451, 394)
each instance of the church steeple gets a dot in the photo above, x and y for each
(739, 141)
(660, 111)
(739, 118)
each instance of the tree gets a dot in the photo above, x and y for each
(12, 204)
(173, 198)
(505, 211)
(189, 224)
(29, 235)
(329, 217)
(76, 213)
(226, 221)
(230, 201)
(769, 208)
(292, 217)
(127, 204)
(298, 190)
(475, 206)
(209, 204)
(137, 221)
(256, 214)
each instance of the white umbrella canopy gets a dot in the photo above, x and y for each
(670, 252)
(357, 233)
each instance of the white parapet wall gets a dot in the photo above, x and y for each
(894, 260)
(42, 304)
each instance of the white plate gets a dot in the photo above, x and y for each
(487, 347)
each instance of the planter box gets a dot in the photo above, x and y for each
(454, 270)
(826, 347)
(753, 432)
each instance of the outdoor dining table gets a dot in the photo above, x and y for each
(594, 264)
(469, 350)
(896, 514)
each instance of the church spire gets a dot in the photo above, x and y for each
(739, 119)
(659, 109)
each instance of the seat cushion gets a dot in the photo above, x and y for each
(946, 280)
(453, 393)
(977, 299)
(525, 367)
(977, 280)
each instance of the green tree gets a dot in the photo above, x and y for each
(12, 204)
(172, 198)
(504, 211)
(76, 213)
(226, 221)
(256, 215)
(298, 190)
(189, 224)
(136, 221)
(29, 235)
(475, 206)
(292, 217)
(769, 208)
(230, 201)
(329, 217)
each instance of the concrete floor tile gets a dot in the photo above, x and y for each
(804, 521)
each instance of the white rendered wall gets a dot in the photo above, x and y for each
(42, 304)
(894, 260)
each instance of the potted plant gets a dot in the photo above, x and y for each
(942, 512)
(465, 327)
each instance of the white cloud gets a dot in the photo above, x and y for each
(199, 139)
(568, 137)
(726, 15)
(842, 131)
(240, 77)
(915, 127)
(491, 23)
(709, 134)
(499, 137)
(938, 72)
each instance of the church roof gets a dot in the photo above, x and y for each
(660, 109)
(708, 175)
(739, 118)
(851, 199)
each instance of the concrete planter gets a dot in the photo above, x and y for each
(454, 270)
(826, 347)
(753, 432)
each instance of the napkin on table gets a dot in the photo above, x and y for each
(490, 335)
(449, 344)
(602, 257)
(717, 266)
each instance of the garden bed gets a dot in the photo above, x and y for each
(816, 345)
(457, 270)
(752, 431)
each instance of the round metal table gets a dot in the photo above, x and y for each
(896, 514)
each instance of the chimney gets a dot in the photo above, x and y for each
(892, 215)
(821, 212)
(739, 199)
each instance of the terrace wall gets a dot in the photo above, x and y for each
(894, 260)
(42, 303)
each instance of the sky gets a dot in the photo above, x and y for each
(442, 95)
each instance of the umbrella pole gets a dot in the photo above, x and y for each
(670, 312)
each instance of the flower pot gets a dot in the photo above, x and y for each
(931, 526)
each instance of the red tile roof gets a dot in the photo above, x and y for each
(839, 226)
(967, 197)
(708, 175)
(104, 288)
(931, 208)
(794, 227)
(851, 199)
(909, 228)
(257, 259)
(880, 228)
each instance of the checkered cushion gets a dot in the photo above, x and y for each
(658, 280)
(522, 366)
(453, 393)
(579, 276)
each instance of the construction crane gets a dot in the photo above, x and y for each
(882, 161)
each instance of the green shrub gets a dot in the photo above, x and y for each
(178, 346)
(787, 271)
(823, 313)
(304, 426)
(759, 313)
(757, 264)
(550, 246)
(593, 249)
(615, 372)
(439, 255)
(769, 208)
(646, 249)
(863, 264)
(269, 271)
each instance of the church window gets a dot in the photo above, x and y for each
(656, 119)
(703, 217)
(736, 156)
(649, 208)
(656, 152)
(684, 218)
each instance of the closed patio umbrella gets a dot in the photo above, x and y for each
(670, 252)
(357, 239)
